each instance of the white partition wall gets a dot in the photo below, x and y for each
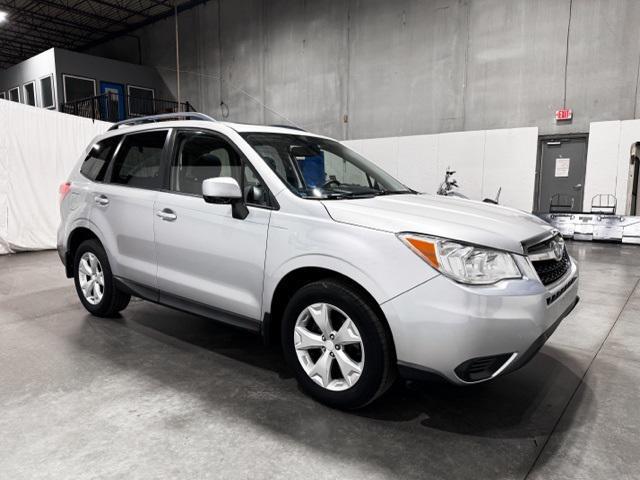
(38, 148)
(608, 159)
(484, 160)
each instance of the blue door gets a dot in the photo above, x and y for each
(112, 104)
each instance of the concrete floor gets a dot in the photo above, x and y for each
(158, 393)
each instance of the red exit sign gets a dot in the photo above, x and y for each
(564, 114)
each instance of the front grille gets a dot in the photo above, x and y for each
(551, 271)
(481, 368)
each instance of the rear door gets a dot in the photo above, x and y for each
(123, 206)
(562, 172)
(205, 255)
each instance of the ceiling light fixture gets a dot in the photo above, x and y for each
(3, 16)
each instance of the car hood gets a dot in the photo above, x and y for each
(460, 219)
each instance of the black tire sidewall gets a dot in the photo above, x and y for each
(368, 324)
(94, 247)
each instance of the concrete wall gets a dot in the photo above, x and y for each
(32, 69)
(402, 67)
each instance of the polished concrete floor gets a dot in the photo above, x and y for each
(162, 394)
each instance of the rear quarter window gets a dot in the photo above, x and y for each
(97, 162)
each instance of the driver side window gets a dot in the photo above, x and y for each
(200, 156)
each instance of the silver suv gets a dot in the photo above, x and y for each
(294, 236)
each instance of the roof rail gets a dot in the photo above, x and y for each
(292, 127)
(164, 117)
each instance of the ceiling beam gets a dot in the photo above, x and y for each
(22, 41)
(78, 11)
(49, 19)
(135, 26)
(122, 8)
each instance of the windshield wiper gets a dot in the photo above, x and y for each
(352, 195)
(395, 192)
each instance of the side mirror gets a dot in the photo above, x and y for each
(225, 190)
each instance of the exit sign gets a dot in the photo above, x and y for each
(564, 114)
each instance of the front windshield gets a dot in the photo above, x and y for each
(322, 169)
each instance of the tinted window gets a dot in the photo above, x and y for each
(141, 101)
(96, 164)
(200, 156)
(138, 161)
(76, 88)
(46, 89)
(30, 94)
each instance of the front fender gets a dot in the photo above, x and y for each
(327, 262)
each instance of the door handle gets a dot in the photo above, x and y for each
(101, 200)
(578, 186)
(167, 214)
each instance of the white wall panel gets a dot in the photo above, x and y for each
(602, 158)
(608, 160)
(510, 163)
(483, 160)
(38, 149)
(629, 134)
(464, 153)
(418, 162)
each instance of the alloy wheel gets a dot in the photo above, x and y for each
(91, 278)
(329, 346)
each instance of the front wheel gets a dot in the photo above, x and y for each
(337, 345)
(95, 283)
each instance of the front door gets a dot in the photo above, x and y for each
(112, 106)
(205, 255)
(561, 175)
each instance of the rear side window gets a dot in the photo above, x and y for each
(138, 163)
(96, 164)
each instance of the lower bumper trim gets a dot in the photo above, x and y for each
(410, 371)
(526, 357)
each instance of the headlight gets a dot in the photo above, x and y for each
(463, 263)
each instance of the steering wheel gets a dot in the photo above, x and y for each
(331, 182)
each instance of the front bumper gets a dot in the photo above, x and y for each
(473, 334)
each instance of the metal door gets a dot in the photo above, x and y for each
(113, 104)
(561, 175)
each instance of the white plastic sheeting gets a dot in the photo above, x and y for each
(484, 160)
(38, 148)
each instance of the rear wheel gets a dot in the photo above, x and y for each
(94, 281)
(337, 345)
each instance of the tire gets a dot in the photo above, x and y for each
(112, 300)
(373, 355)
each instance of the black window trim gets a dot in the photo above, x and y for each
(109, 160)
(53, 91)
(17, 89)
(35, 94)
(109, 173)
(76, 77)
(166, 184)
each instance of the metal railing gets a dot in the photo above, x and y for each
(112, 107)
